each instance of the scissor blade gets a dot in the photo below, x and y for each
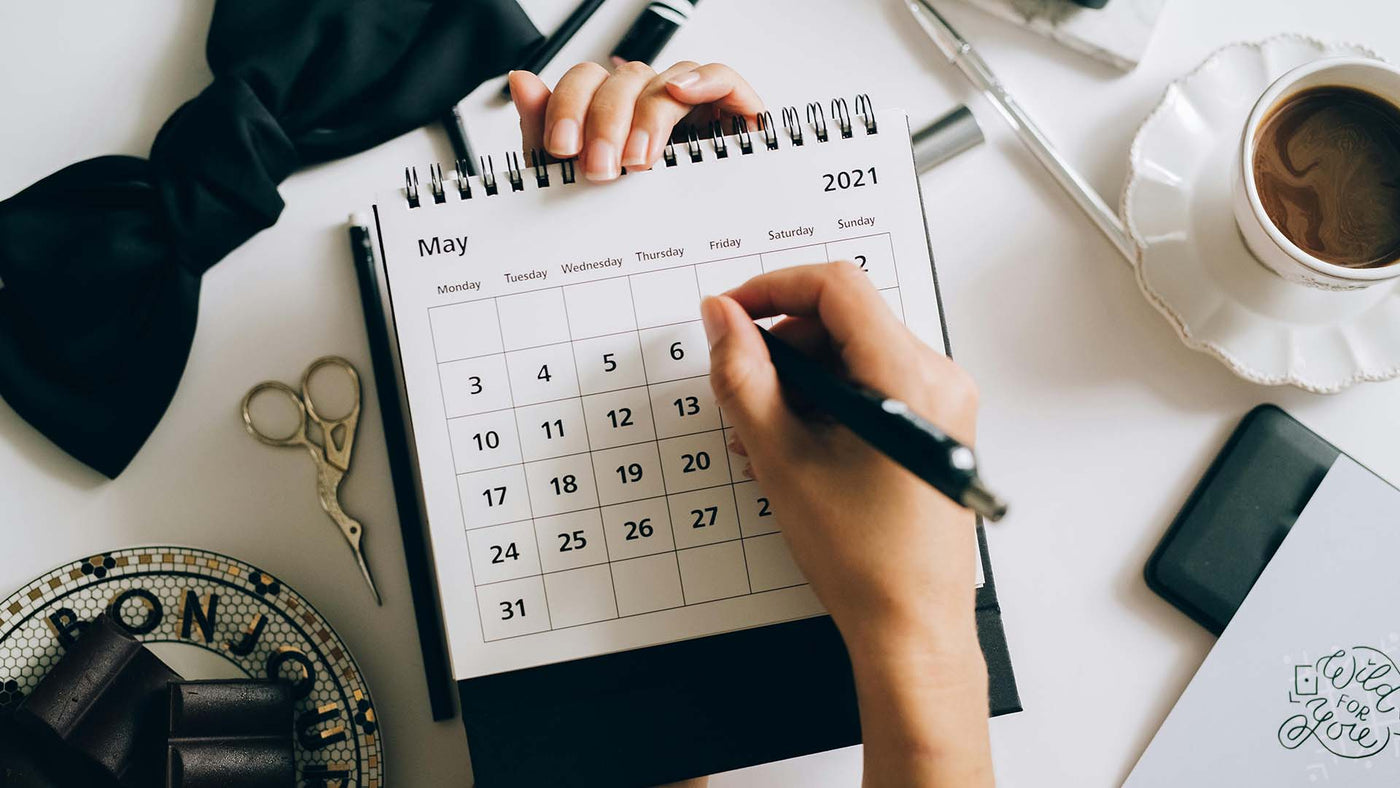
(364, 570)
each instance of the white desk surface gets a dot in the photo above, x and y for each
(1096, 421)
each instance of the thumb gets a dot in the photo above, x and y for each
(531, 97)
(741, 373)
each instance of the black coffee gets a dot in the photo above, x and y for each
(1327, 167)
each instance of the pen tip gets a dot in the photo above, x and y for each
(983, 501)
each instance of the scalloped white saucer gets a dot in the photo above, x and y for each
(1194, 267)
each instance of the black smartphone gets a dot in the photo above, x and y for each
(1238, 515)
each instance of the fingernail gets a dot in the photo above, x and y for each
(564, 140)
(601, 162)
(716, 323)
(687, 80)
(638, 145)
(737, 446)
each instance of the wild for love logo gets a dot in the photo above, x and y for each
(1348, 703)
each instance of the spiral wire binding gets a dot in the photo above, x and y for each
(817, 118)
(539, 161)
(865, 108)
(793, 123)
(464, 183)
(717, 139)
(692, 143)
(488, 176)
(768, 130)
(841, 113)
(514, 173)
(410, 183)
(435, 182)
(739, 128)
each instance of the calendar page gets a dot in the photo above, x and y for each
(579, 493)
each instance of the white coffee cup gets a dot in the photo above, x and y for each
(1261, 235)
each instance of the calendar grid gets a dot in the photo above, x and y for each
(600, 336)
(432, 339)
(670, 522)
(591, 508)
(508, 361)
(743, 550)
(607, 555)
(496, 307)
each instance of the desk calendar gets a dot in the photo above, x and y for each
(573, 463)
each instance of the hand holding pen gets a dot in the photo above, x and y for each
(847, 317)
(838, 497)
(891, 558)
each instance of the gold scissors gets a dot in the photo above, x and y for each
(331, 455)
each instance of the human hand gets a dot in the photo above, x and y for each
(623, 118)
(891, 558)
(885, 551)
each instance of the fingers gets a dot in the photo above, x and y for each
(742, 376)
(804, 333)
(609, 120)
(838, 294)
(568, 108)
(531, 97)
(876, 349)
(719, 85)
(656, 113)
(623, 119)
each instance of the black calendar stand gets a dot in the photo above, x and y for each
(666, 713)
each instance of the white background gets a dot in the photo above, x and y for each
(1096, 420)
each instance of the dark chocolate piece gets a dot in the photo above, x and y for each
(95, 718)
(230, 734)
(19, 766)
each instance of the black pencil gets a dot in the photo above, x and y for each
(889, 426)
(550, 47)
(432, 639)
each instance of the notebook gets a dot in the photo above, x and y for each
(585, 517)
(1302, 686)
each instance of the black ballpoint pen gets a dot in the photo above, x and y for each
(889, 426)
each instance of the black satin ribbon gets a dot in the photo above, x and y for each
(100, 263)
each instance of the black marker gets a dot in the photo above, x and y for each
(461, 144)
(890, 427)
(652, 30)
(550, 47)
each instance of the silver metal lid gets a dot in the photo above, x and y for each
(945, 138)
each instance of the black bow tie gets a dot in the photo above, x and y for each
(100, 262)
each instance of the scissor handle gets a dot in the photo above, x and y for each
(298, 436)
(338, 452)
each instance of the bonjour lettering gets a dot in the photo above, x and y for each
(1347, 697)
(199, 624)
